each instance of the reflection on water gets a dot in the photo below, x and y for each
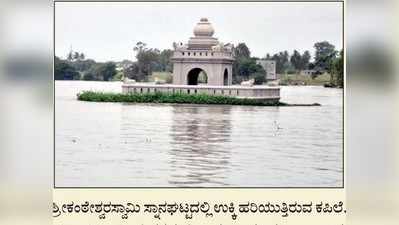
(160, 145)
(197, 145)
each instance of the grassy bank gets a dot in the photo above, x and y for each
(166, 76)
(298, 79)
(176, 98)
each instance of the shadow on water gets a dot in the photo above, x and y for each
(200, 137)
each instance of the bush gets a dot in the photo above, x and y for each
(89, 76)
(100, 71)
(259, 78)
(64, 71)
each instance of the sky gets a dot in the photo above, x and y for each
(106, 31)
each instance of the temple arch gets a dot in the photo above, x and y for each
(196, 76)
(225, 77)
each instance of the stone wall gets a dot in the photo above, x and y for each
(254, 92)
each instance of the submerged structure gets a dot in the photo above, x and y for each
(203, 65)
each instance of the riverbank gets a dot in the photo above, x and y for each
(303, 80)
(158, 97)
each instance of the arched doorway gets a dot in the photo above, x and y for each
(225, 77)
(196, 76)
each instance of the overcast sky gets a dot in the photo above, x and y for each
(108, 31)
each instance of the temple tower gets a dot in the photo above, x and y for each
(203, 60)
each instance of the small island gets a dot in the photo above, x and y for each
(179, 98)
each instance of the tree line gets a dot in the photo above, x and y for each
(326, 59)
(149, 60)
(77, 67)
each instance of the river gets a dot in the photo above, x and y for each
(167, 145)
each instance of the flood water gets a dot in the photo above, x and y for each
(166, 145)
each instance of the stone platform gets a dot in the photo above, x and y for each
(266, 93)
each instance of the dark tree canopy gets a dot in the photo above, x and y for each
(305, 60)
(337, 70)
(282, 61)
(164, 60)
(64, 71)
(296, 60)
(242, 51)
(245, 67)
(149, 60)
(101, 71)
(83, 65)
(325, 53)
(133, 72)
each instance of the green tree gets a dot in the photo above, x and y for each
(140, 46)
(337, 70)
(282, 61)
(83, 65)
(64, 71)
(242, 51)
(76, 55)
(259, 76)
(325, 54)
(247, 68)
(164, 60)
(107, 70)
(148, 59)
(133, 72)
(101, 71)
(89, 75)
(243, 65)
(305, 60)
(296, 60)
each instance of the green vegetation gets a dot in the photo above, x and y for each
(76, 67)
(298, 79)
(100, 71)
(337, 71)
(159, 97)
(153, 64)
(245, 66)
(64, 71)
(149, 60)
(325, 54)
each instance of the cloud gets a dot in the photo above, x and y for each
(108, 31)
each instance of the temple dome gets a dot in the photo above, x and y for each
(204, 28)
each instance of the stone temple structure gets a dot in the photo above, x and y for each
(203, 54)
(204, 66)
